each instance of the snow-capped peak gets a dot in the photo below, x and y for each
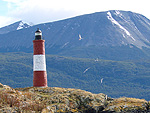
(23, 25)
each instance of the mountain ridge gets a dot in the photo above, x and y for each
(111, 29)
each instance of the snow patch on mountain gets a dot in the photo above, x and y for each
(115, 22)
(22, 25)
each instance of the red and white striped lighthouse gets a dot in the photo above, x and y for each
(39, 63)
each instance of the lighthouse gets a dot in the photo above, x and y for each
(39, 63)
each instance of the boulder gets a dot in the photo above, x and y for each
(1, 85)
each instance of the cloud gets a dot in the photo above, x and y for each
(4, 21)
(39, 11)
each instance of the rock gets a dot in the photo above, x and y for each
(99, 109)
(66, 100)
(90, 110)
(1, 85)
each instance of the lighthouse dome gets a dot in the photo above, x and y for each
(38, 32)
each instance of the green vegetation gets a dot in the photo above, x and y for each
(120, 78)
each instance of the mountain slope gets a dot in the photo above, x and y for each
(114, 78)
(105, 35)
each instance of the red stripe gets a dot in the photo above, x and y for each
(39, 47)
(40, 79)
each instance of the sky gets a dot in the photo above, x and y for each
(42, 11)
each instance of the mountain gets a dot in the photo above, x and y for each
(65, 100)
(112, 35)
(13, 27)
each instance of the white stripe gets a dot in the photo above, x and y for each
(39, 63)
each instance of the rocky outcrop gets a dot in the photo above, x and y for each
(64, 100)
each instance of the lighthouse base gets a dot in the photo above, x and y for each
(40, 79)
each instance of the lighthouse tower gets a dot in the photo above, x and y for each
(39, 63)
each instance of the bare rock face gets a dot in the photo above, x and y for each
(66, 100)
